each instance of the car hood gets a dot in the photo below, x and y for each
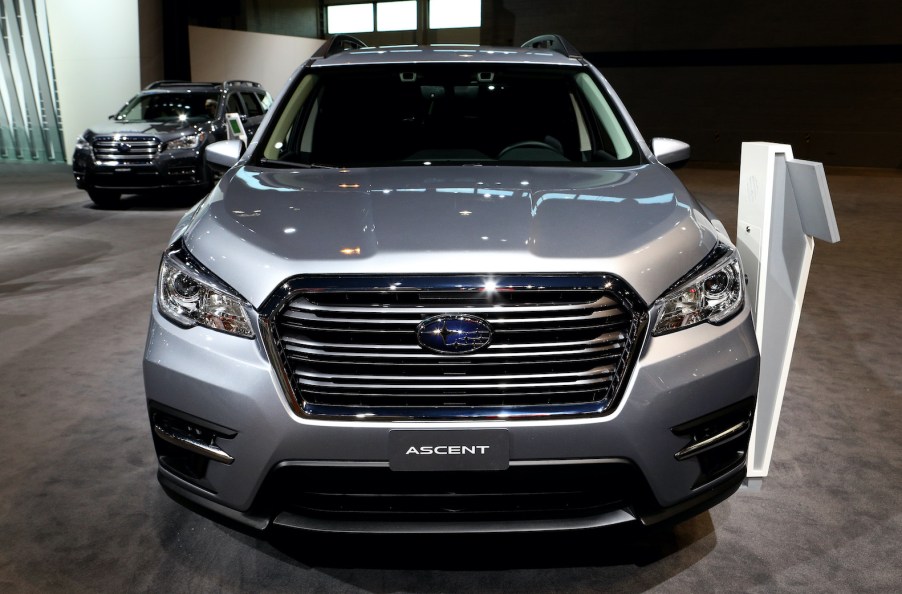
(160, 129)
(262, 226)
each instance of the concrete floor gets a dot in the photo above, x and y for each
(80, 508)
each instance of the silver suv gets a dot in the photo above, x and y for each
(450, 289)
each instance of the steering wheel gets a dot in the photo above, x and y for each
(528, 144)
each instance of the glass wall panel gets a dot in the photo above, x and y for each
(29, 108)
(454, 14)
(396, 16)
(349, 18)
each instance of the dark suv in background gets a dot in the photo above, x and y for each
(157, 139)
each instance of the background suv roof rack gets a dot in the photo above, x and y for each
(337, 44)
(247, 83)
(160, 83)
(178, 83)
(555, 43)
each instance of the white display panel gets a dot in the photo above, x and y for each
(784, 204)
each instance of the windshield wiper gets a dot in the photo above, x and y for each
(294, 164)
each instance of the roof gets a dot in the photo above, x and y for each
(449, 53)
(163, 85)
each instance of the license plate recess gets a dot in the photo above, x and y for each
(449, 449)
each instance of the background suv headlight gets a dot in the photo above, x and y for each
(189, 295)
(186, 142)
(714, 295)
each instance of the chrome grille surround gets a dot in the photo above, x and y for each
(129, 150)
(346, 348)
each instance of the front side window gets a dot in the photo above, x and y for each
(169, 107)
(449, 113)
(265, 100)
(253, 107)
(233, 105)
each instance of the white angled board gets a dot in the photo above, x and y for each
(783, 204)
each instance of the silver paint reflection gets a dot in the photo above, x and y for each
(408, 220)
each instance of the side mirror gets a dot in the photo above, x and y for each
(222, 155)
(670, 152)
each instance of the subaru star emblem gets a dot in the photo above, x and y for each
(454, 334)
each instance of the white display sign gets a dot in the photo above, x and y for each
(235, 128)
(784, 204)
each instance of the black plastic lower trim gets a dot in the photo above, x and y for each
(194, 496)
(696, 505)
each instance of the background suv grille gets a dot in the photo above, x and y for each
(133, 150)
(556, 349)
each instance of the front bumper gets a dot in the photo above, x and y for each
(169, 169)
(685, 388)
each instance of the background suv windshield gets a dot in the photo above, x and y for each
(441, 113)
(170, 107)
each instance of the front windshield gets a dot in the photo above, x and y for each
(449, 114)
(170, 107)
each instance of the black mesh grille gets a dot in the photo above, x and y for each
(357, 353)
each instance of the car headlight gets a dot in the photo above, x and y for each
(188, 141)
(712, 294)
(81, 143)
(190, 295)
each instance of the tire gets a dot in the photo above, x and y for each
(104, 198)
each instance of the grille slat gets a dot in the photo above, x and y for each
(510, 352)
(450, 381)
(583, 393)
(356, 352)
(407, 350)
(301, 317)
(304, 305)
(320, 358)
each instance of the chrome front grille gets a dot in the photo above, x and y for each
(132, 150)
(560, 345)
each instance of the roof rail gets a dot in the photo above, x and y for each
(178, 83)
(337, 44)
(555, 43)
(160, 83)
(247, 83)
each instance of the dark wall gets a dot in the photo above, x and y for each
(824, 77)
(150, 24)
(618, 25)
(298, 18)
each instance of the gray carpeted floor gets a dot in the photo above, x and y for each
(80, 508)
